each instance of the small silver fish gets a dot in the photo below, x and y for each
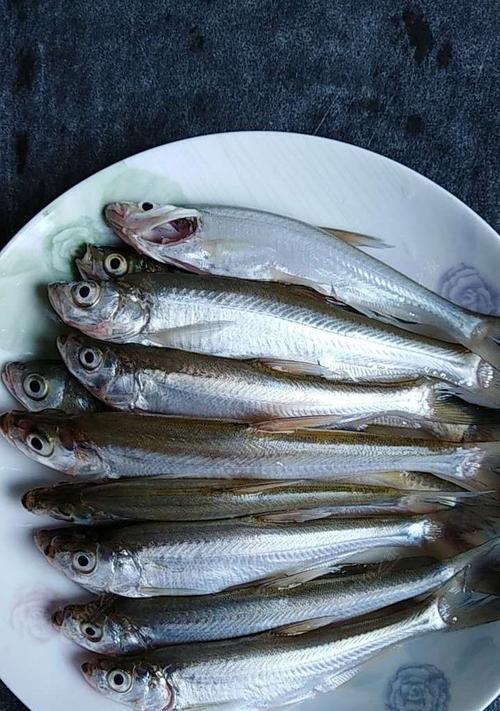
(167, 499)
(47, 385)
(115, 444)
(172, 382)
(274, 669)
(289, 331)
(249, 244)
(198, 558)
(116, 625)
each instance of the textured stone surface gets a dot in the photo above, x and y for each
(85, 83)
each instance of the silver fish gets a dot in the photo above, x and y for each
(47, 385)
(288, 330)
(197, 558)
(249, 244)
(166, 499)
(116, 625)
(114, 444)
(274, 669)
(103, 263)
(173, 382)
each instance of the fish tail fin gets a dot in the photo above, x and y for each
(485, 346)
(493, 326)
(476, 558)
(482, 423)
(472, 523)
(475, 466)
(458, 606)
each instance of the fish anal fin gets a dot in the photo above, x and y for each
(356, 239)
(292, 366)
(290, 424)
(300, 283)
(297, 577)
(297, 628)
(254, 487)
(298, 515)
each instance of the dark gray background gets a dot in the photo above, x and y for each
(84, 83)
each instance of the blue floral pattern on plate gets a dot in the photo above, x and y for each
(418, 687)
(464, 285)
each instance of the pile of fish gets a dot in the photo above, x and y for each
(285, 458)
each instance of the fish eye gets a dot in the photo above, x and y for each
(86, 293)
(145, 206)
(89, 358)
(115, 265)
(35, 386)
(91, 631)
(119, 680)
(84, 562)
(40, 444)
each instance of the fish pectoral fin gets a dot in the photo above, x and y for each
(297, 628)
(356, 239)
(165, 338)
(151, 591)
(292, 366)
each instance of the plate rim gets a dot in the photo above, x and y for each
(203, 138)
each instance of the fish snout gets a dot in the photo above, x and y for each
(87, 669)
(14, 425)
(114, 214)
(43, 540)
(29, 500)
(11, 373)
(58, 618)
(55, 293)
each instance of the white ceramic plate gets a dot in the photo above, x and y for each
(437, 240)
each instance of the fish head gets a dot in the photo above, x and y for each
(95, 364)
(55, 501)
(139, 684)
(78, 554)
(103, 263)
(38, 385)
(93, 626)
(105, 310)
(51, 439)
(147, 222)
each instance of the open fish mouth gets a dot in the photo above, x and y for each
(162, 225)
